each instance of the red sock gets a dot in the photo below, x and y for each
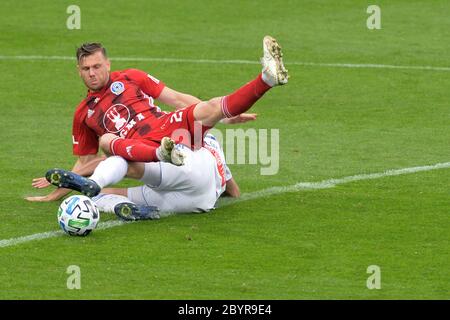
(133, 150)
(243, 98)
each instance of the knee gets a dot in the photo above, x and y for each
(215, 107)
(105, 141)
(209, 112)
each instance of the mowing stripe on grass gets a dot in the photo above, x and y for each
(217, 61)
(330, 183)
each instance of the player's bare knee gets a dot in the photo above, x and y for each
(209, 112)
(216, 107)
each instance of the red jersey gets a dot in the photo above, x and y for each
(123, 107)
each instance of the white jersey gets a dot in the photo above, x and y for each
(223, 173)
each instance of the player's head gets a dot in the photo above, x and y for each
(93, 65)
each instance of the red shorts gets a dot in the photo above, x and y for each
(180, 126)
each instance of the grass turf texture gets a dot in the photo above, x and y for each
(333, 122)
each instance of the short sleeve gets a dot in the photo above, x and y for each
(148, 84)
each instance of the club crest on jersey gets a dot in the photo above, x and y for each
(116, 118)
(117, 87)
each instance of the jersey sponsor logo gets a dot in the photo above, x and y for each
(74, 141)
(116, 118)
(117, 87)
(131, 124)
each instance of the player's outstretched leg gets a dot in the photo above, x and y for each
(273, 74)
(131, 212)
(67, 179)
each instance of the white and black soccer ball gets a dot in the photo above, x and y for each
(78, 215)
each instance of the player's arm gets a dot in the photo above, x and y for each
(118, 191)
(177, 100)
(232, 189)
(85, 146)
(85, 166)
(157, 89)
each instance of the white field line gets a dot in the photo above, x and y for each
(217, 61)
(330, 183)
(53, 234)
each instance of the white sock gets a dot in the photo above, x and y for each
(110, 171)
(107, 202)
(268, 78)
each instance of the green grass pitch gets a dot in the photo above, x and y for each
(333, 122)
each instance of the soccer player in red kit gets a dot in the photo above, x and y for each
(121, 104)
(119, 108)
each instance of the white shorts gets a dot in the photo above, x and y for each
(187, 188)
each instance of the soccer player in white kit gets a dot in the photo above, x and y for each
(193, 187)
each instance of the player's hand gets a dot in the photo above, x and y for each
(40, 183)
(243, 117)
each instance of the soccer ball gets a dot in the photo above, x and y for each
(78, 215)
